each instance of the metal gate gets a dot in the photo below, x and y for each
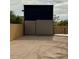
(38, 27)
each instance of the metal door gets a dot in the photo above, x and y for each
(30, 27)
(44, 27)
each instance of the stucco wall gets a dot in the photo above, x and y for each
(16, 31)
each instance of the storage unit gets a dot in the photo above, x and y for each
(38, 19)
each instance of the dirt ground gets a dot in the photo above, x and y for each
(39, 47)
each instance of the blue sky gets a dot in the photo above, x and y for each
(60, 6)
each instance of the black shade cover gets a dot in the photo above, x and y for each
(35, 12)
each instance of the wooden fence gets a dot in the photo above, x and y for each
(60, 29)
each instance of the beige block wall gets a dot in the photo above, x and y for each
(60, 29)
(16, 31)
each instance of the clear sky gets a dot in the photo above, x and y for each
(60, 6)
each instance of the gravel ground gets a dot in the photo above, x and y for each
(39, 47)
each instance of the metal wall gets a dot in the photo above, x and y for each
(39, 27)
(44, 27)
(30, 27)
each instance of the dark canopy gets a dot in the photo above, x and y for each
(41, 12)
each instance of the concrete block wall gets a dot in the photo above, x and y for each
(16, 31)
(60, 29)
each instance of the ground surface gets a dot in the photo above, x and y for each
(39, 47)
